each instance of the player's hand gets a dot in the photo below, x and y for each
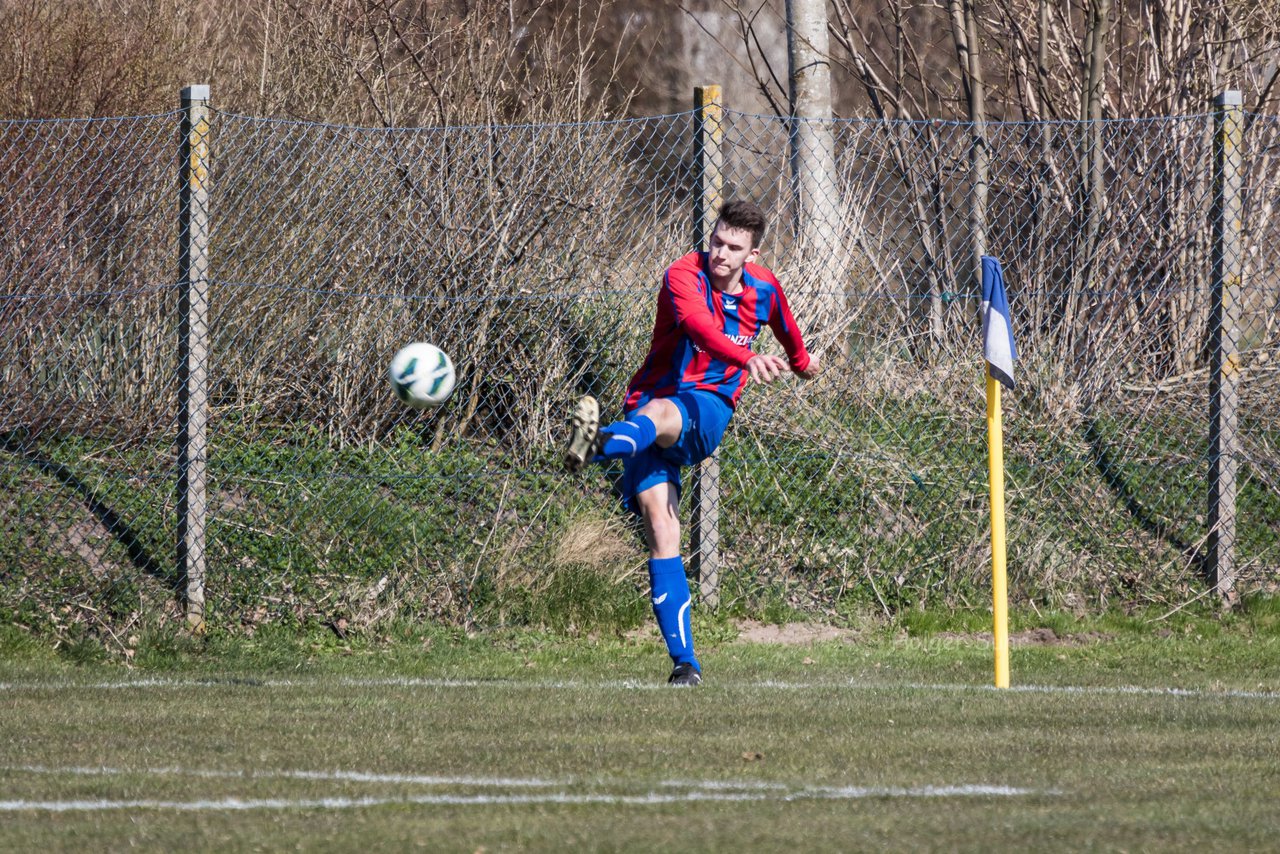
(765, 368)
(815, 368)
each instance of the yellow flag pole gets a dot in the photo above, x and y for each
(999, 580)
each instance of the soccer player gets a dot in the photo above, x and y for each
(711, 307)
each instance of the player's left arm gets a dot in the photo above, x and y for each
(803, 363)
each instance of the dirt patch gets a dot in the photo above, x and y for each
(231, 500)
(1037, 637)
(86, 539)
(752, 631)
(790, 634)
(802, 634)
(646, 631)
(1043, 636)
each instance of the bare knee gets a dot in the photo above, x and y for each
(666, 417)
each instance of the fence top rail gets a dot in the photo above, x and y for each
(639, 120)
(635, 120)
(868, 120)
(64, 120)
(728, 114)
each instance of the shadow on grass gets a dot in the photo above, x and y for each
(1113, 477)
(17, 442)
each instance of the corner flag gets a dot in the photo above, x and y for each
(999, 350)
(997, 331)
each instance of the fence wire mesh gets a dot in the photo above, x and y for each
(532, 255)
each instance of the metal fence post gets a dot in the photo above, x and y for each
(1224, 357)
(193, 349)
(704, 533)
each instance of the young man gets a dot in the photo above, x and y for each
(711, 307)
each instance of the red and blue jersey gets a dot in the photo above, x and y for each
(702, 337)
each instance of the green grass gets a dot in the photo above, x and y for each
(783, 748)
(894, 516)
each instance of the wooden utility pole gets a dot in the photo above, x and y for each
(817, 205)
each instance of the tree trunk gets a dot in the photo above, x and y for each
(964, 29)
(818, 206)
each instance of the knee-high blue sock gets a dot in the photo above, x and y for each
(628, 438)
(671, 603)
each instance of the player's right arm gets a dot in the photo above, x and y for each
(800, 361)
(812, 370)
(688, 296)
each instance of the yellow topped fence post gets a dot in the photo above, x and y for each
(704, 528)
(193, 350)
(1224, 355)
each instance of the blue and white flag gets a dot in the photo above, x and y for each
(997, 331)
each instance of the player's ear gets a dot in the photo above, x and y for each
(753, 254)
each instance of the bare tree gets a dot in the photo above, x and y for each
(80, 58)
(979, 61)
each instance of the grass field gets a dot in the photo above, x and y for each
(1112, 738)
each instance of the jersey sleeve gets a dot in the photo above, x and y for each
(785, 330)
(696, 319)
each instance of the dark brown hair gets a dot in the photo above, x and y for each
(745, 215)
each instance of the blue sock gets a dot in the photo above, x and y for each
(628, 438)
(671, 603)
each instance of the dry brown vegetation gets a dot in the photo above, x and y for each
(515, 245)
(1034, 59)
(364, 62)
(429, 62)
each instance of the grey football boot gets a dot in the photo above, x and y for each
(584, 438)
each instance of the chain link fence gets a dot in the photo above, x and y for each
(532, 255)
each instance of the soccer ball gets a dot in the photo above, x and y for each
(422, 375)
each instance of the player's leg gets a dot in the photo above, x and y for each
(686, 429)
(651, 487)
(657, 422)
(660, 422)
(668, 584)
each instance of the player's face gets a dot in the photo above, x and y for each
(729, 251)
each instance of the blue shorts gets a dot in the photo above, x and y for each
(705, 415)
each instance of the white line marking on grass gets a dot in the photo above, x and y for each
(350, 803)
(722, 784)
(1191, 693)
(762, 787)
(625, 685)
(707, 791)
(337, 776)
(648, 799)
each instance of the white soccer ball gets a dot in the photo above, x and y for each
(422, 375)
